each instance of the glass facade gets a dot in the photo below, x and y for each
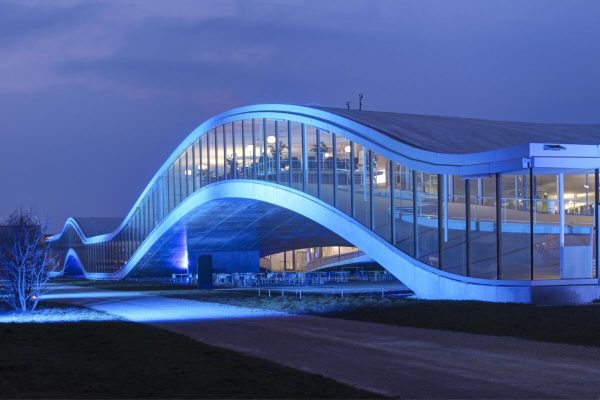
(426, 191)
(362, 185)
(526, 224)
(309, 259)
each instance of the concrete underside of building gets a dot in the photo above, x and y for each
(451, 218)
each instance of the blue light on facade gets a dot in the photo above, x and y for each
(462, 222)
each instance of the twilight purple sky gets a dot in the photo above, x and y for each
(94, 95)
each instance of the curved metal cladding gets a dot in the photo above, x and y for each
(475, 220)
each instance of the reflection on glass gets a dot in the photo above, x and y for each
(272, 151)
(280, 152)
(579, 243)
(260, 159)
(427, 218)
(187, 171)
(248, 164)
(219, 153)
(312, 147)
(212, 161)
(344, 176)
(296, 167)
(454, 244)
(196, 168)
(238, 152)
(176, 183)
(229, 159)
(483, 228)
(382, 219)
(325, 159)
(564, 244)
(403, 209)
(515, 227)
(362, 202)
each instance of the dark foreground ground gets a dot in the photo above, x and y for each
(396, 361)
(116, 359)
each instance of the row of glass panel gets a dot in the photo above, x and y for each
(424, 215)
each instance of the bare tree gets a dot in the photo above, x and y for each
(26, 265)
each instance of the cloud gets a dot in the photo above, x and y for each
(36, 37)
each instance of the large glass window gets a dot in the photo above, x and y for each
(204, 160)
(344, 176)
(143, 220)
(248, 149)
(176, 183)
(312, 147)
(546, 230)
(579, 201)
(403, 209)
(219, 153)
(163, 197)
(166, 192)
(483, 243)
(229, 158)
(158, 198)
(272, 152)
(454, 245)
(326, 158)
(427, 218)
(151, 217)
(197, 168)
(188, 172)
(515, 240)
(212, 160)
(382, 211)
(259, 150)
(362, 202)
(280, 152)
(564, 246)
(297, 157)
(238, 153)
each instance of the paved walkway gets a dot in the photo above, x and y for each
(395, 361)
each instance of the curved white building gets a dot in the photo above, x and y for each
(455, 208)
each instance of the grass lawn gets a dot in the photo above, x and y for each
(560, 324)
(118, 359)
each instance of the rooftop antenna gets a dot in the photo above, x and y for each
(348, 105)
(360, 97)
